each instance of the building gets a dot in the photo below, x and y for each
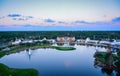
(71, 39)
(64, 39)
(104, 42)
(80, 41)
(88, 41)
(52, 41)
(27, 41)
(60, 39)
(16, 42)
(115, 43)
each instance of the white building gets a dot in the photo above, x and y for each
(115, 42)
(44, 39)
(88, 41)
(16, 42)
(52, 40)
(80, 41)
(104, 42)
(27, 41)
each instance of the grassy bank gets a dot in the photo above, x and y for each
(101, 56)
(104, 56)
(6, 71)
(24, 47)
(64, 48)
(21, 48)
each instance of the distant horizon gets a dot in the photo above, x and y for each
(60, 30)
(61, 15)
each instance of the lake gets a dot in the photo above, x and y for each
(51, 62)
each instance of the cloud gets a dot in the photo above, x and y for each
(116, 19)
(14, 18)
(49, 20)
(2, 17)
(29, 16)
(22, 18)
(21, 21)
(19, 17)
(61, 22)
(14, 15)
(81, 22)
(104, 16)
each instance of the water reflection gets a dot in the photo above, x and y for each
(51, 62)
(68, 64)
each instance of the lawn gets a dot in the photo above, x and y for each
(6, 71)
(64, 48)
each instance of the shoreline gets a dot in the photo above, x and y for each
(22, 48)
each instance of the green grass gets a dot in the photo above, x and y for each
(101, 59)
(6, 71)
(20, 48)
(103, 53)
(2, 54)
(64, 48)
(101, 56)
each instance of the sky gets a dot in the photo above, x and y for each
(61, 15)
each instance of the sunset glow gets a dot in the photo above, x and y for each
(59, 14)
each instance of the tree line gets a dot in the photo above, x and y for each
(97, 35)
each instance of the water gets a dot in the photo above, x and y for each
(51, 62)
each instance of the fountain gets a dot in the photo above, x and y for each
(29, 53)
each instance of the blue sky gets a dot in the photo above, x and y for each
(59, 15)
